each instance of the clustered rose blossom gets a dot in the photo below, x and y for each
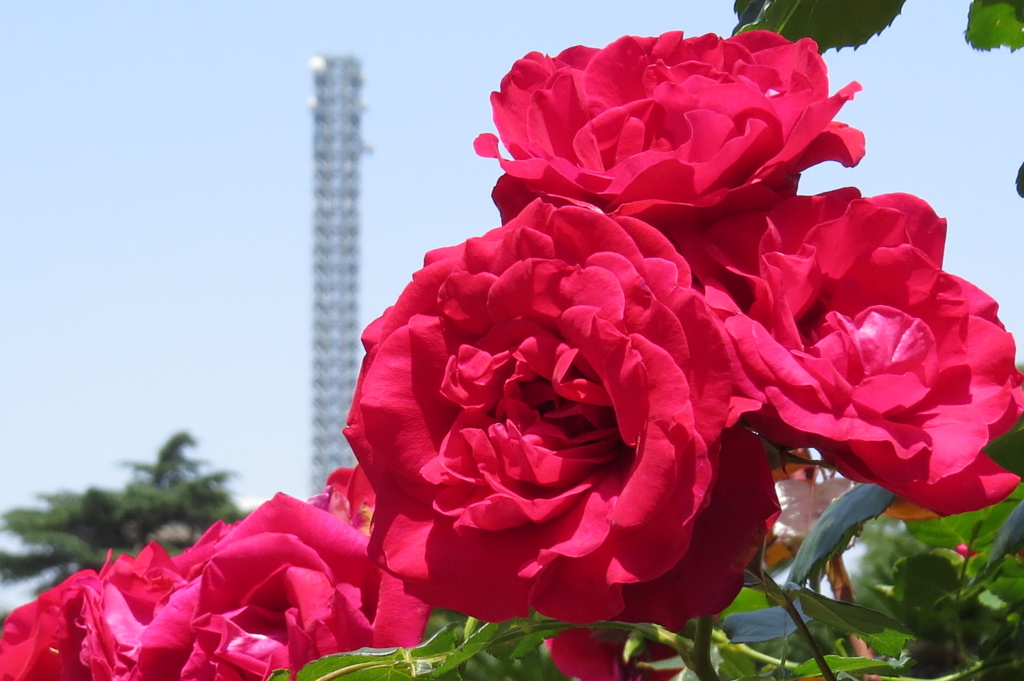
(851, 339)
(566, 414)
(545, 406)
(286, 585)
(569, 413)
(667, 129)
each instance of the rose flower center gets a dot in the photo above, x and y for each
(537, 428)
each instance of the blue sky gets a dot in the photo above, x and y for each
(155, 181)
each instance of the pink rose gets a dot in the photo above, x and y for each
(90, 626)
(667, 128)
(541, 413)
(285, 586)
(852, 339)
(281, 588)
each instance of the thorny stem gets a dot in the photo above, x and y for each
(783, 599)
(957, 625)
(703, 667)
(819, 657)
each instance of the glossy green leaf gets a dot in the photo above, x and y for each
(837, 525)
(996, 23)
(862, 665)
(758, 625)
(1007, 450)
(1008, 581)
(746, 600)
(528, 644)
(977, 529)
(924, 590)
(634, 644)
(1010, 538)
(884, 634)
(362, 659)
(748, 11)
(735, 664)
(831, 23)
(923, 580)
(436, 658)
(280, 675)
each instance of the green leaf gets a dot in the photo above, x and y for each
(529, 644)
(924, 580)
(831, 23)
(748, 12)
(924, 588)
(444, 643)
(280, 675)
(381, 674)
(759, 625)
(996, 23)
(1007, 450)
(977, 529)
(837, 525)
(746, 600)
(881, 632)
(736, 664)
(384, 658)
(634, 644)
(1010, 538)
(862, 665)
(432, 659)
(1008, 582)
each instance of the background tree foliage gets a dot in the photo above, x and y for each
(171, 501)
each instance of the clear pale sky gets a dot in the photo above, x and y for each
(155, 181)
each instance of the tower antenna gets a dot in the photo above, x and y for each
(337, 149)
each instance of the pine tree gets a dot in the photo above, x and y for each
(172, 501)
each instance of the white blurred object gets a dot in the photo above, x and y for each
(803, 501)
(317, 64)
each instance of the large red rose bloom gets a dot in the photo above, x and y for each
(666, 128)
(850, 338)
(540, 415)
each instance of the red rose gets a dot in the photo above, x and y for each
(351, 498)
(90, 626)
(853, 340)
(661, 128)
(540, 416)
(285, 586)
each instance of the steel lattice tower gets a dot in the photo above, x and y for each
(337, 148)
